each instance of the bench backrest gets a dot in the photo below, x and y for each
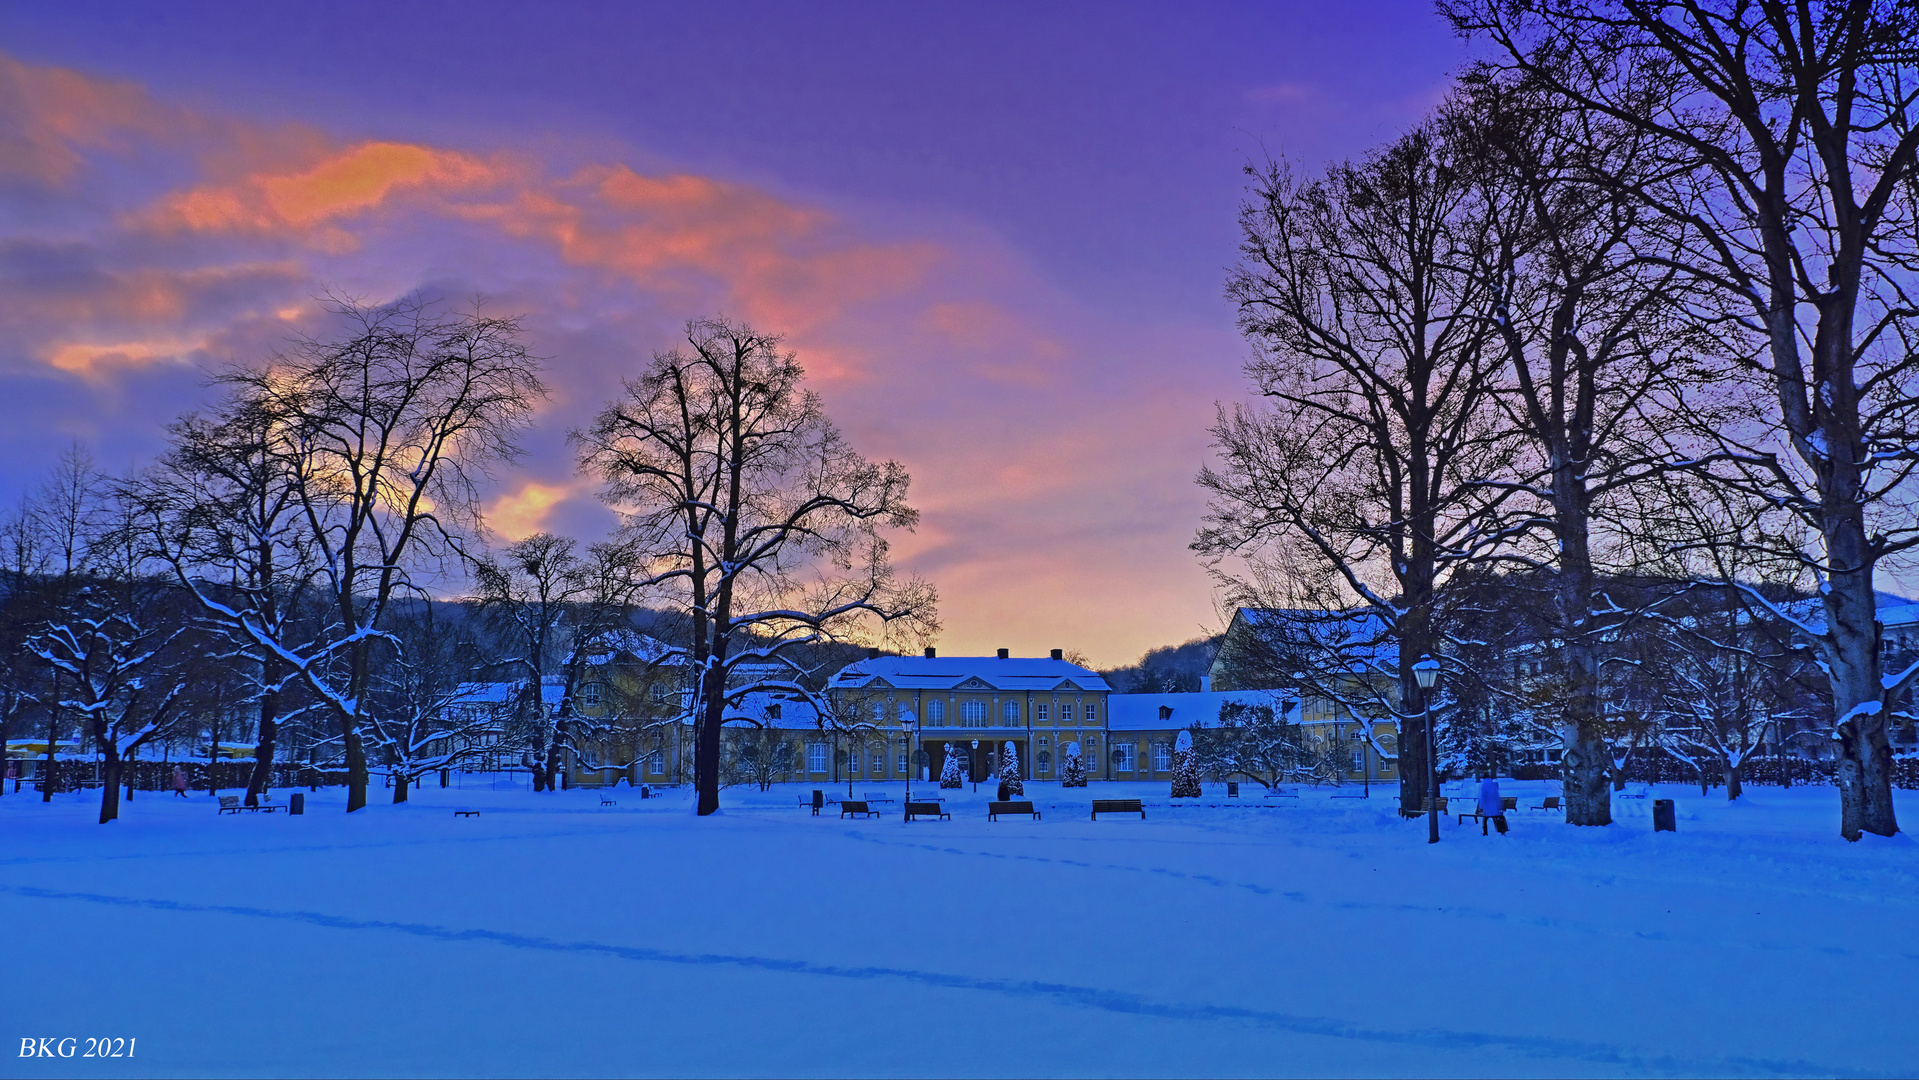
(922, 808)
(1509, 802)
(1116, 804)
(229, 800)
(850, 806)
(1010, 807)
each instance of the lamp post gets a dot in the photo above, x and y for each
(1426, 673)
(972, 766)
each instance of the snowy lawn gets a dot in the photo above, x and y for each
(551, 936)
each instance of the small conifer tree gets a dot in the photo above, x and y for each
(950, 773)
(1185, 768)
(1073, 770)
(1009, 770)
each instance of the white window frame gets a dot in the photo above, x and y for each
(816, 757)
(936, 712)
(973, 713)
(1162, 757)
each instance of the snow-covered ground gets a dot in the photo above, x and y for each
(551, 936)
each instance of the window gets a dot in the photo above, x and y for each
(656, 764)
(1162, 757)
(1123, 757)
(879, 712)
(1359, 761)
(1039, 712)
(590, 694)
(1010, 713)
(1065, 711)
(936, 713)
(852, 761)
(1089, 711)
(902, 768)
(816, 757)
(1045, 762)
(972, 713)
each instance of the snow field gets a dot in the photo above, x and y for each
(550, 936)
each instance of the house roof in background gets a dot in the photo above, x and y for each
(1014, 674)
(1140, 712)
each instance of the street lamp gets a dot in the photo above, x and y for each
(973, 766)
(1426, 673)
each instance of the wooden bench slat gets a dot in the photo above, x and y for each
(1117, 806)
(995, 809)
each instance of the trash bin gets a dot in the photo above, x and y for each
(1232, 789)
(1663, 819)
(297, 803)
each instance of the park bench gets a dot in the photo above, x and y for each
(819, 799)
(1282, 793)
(604, 801)
(1117, 806)
(466, 813)
(855, 808)
(995, 809)
(266, 807)
(916, 809)
(1506, 802)
(876, 797)
(1427, 807)
(1551, 803)
(229, 804)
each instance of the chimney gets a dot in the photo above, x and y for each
(930, 653)
(872, 654)
(1002, 654)
(1059, 654)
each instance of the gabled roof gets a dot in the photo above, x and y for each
(984, 673)
(1141, 712)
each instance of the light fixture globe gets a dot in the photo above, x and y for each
(1426, 671)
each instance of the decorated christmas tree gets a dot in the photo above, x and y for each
(1072, 771)
(950, 776)
(1009, 770)
(1185, 768)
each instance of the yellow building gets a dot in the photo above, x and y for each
(981, 707)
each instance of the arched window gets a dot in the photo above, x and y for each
(936, 713)
(1010, 713)
(972, 713)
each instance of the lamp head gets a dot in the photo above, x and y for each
(1426, 672)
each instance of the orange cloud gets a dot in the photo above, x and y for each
(94, 361)
(519, 514)
(345, 183)
(49, 115)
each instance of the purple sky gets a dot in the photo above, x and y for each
(996, 234)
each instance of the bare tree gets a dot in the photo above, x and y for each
(1254, 740)
(371, 441)
(1368, 325)
(1583, 311)
(753, 514)
(1787, 152)
(420, 716)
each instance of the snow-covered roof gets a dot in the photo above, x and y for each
(968, 672)
(1141, 712)
(627, 642)
(1358, 636)
(499, 693)
(795, 712)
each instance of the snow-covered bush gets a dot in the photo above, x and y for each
(1185, 768)
(1009, 770)
(1072, 770)
(950, 776)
